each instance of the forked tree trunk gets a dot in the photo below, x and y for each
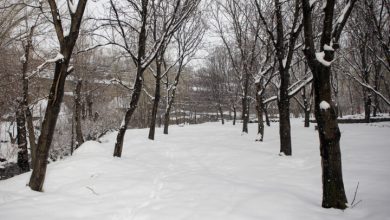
(332, 179)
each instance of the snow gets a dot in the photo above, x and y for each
(72, 6)
(23, 58)
(343, 13)
(324, 105)
(328, 48)
(284, 61)
(320, 57)
(58, 57)
(207, 171)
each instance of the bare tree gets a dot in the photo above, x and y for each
(67, 42)
(142, 53)
(320, 66)
(241, 44)
(187, 40)
(284, 45)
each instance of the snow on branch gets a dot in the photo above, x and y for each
(59, 57)
(320, 57)
(292, 91)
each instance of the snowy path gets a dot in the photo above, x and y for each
(207, 171)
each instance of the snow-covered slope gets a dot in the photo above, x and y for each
(207, 171)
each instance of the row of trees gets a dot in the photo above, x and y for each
(269, 52)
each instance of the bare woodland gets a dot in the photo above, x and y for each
(74, 70)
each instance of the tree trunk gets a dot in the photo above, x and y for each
(129, 113)
(365, 73)
(234, 115)
(244, 115)
(221, 113)
(23, 163)
(260, 121)
(306, 108)
(77, 113)
(48, 126)
(265, 110)
(284, 114)
(329, 133)
(22, 160)
(195, 117)
(307, 118)
(166, 122)
(31, 134)
(156, 101)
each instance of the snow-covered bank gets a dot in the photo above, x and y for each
(207, 171)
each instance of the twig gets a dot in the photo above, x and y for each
(353, 204)
(93, 191)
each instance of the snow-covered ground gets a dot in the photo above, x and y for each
(207, 171)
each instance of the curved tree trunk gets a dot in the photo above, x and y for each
(48, 126)
(129, 113)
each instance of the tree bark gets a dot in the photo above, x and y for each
(77, 114)
(156, 101)
(260, 121)
(31, 134)
(22, 161)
